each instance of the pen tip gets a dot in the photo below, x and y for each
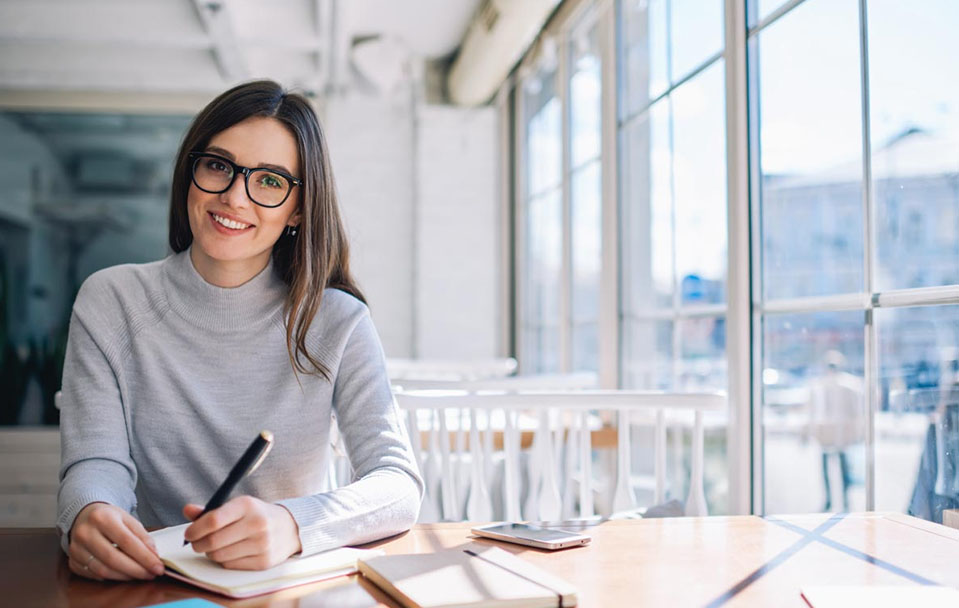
(267, 435)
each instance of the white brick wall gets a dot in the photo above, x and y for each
(457, 245)
(370, 142)
(452, 155)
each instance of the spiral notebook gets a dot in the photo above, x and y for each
(186, 565)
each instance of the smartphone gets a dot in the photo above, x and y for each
(534, 536)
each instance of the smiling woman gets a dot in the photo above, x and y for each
(254, 323)
(234, 222)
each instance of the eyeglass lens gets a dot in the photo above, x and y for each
(264, 186)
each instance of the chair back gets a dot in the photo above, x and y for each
(531, 455)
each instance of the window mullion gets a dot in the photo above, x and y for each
(566, 280)
(871, 363)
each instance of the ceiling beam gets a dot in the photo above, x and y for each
(172, 40)
(215, 16)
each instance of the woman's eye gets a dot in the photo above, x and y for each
(216, 165)
(270, 181)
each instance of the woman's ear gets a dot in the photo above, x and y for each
(294, 219)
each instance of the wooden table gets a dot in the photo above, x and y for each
(709, 561)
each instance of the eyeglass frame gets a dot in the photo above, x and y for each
(238, 169)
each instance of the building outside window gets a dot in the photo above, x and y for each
(859, 252)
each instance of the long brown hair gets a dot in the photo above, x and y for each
(318, 256)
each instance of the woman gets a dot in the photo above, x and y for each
(254, 323)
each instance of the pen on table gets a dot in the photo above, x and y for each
(247, 463)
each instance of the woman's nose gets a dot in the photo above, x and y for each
(235, 195)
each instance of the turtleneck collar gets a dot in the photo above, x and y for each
(225, 309)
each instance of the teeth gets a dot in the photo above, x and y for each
(230, 223)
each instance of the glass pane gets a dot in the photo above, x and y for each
(696, 34)
(586, 347)
(813, 412)
(540, 349)
(647, 354)
(757, 10)
(702, 353)
(915, 135)
(585, 87)
(699, 169)
(702, 367)
(586, 199)
(645, 53)
(544, 231)
(647, 241)
(917, 422)
(82, 192)
(810, 151)
(544, 150)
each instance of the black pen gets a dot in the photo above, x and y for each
(247, 463)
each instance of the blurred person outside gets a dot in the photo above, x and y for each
(937, 482)
(836, 419)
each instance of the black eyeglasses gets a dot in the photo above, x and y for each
(265, 187)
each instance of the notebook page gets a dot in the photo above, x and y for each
(880, 596)
(169, 543)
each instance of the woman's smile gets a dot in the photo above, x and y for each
(227, 224)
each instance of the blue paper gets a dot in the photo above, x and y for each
(193, 602)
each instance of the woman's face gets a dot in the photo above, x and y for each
(233, 237)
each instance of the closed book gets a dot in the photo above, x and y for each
(195, 568)
(468, 576)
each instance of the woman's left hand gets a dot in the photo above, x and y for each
(246, 533)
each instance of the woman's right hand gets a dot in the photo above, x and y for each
(106, 542)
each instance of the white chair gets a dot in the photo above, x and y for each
(454, 433)
(449, 369)
(521, 382)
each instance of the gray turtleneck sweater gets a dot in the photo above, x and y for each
(168, 379)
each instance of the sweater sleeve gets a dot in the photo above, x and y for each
(95, 462)
(384, 497)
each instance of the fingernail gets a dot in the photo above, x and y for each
(157, 569)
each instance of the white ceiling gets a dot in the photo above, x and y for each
(204, 46)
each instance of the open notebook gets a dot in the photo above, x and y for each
(185, 564)
(471, 575)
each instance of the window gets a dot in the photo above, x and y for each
(84, 191)
(852, 236)
(543, 225)
(585, 177)
(673, 208)
(562, 210)
(859, 255)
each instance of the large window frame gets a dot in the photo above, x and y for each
(867, 301)
(572, 19)
(746, 305)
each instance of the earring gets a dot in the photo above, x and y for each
(291, 231)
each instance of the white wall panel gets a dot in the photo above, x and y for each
(457, 295)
